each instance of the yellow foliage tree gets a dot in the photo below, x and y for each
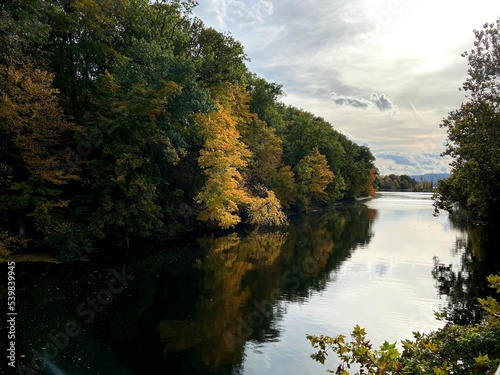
(34, 162)
(266, 211)
(223, 158)
(313, 176)
(34, 123)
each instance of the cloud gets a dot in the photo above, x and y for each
(398, 159)
(241, 11)
(377, 70)
(410, 163)
(384, 104)
(350, 101)
(376, 101)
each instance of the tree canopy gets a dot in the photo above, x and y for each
(474, 133)
(122, 120)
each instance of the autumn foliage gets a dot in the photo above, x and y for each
(123, 121)
(222, 159)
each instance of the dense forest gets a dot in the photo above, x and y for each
(122, 120)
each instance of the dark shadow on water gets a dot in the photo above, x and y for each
(192, 306)
(461, 286)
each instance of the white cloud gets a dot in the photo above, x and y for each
(410, 163)
(350, 101)
(384, 104)
(408, 56)
(376, 101)
(239, 11)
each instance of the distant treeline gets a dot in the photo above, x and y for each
(403, 182)
(126, 119)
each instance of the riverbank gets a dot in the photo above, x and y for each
(220, 303)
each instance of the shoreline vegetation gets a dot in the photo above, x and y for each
(453, 349)
(392, 182)
(131, 120)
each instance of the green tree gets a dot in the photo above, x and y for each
(126, 175)
(23, 32)
(303, 133)
(218, 57)
(313, 177)
(264, 102)
(125, 74)
(474, 134)
(116, 113)
(285, 187)
(356, 168)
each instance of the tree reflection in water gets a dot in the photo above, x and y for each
(247, 276)
(194, 303)
(462, 284)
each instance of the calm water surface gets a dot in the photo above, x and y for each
(243, 302)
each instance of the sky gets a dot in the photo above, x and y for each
(383, 72)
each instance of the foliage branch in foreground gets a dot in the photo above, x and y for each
(453, 349)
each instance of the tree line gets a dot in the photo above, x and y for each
(403, 182)
(126, 119)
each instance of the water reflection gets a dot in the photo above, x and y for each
(217, 323)
(215, 304)
(461, 284)
(247, 276)
(193, 306)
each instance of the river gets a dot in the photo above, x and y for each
(243, 302)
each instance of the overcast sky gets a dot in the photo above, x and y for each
(383, 72)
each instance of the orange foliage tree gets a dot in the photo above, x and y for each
(313, 176)
(223, 158)
(368, 189)
(34, 166)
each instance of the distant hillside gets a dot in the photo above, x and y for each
(430, 177)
